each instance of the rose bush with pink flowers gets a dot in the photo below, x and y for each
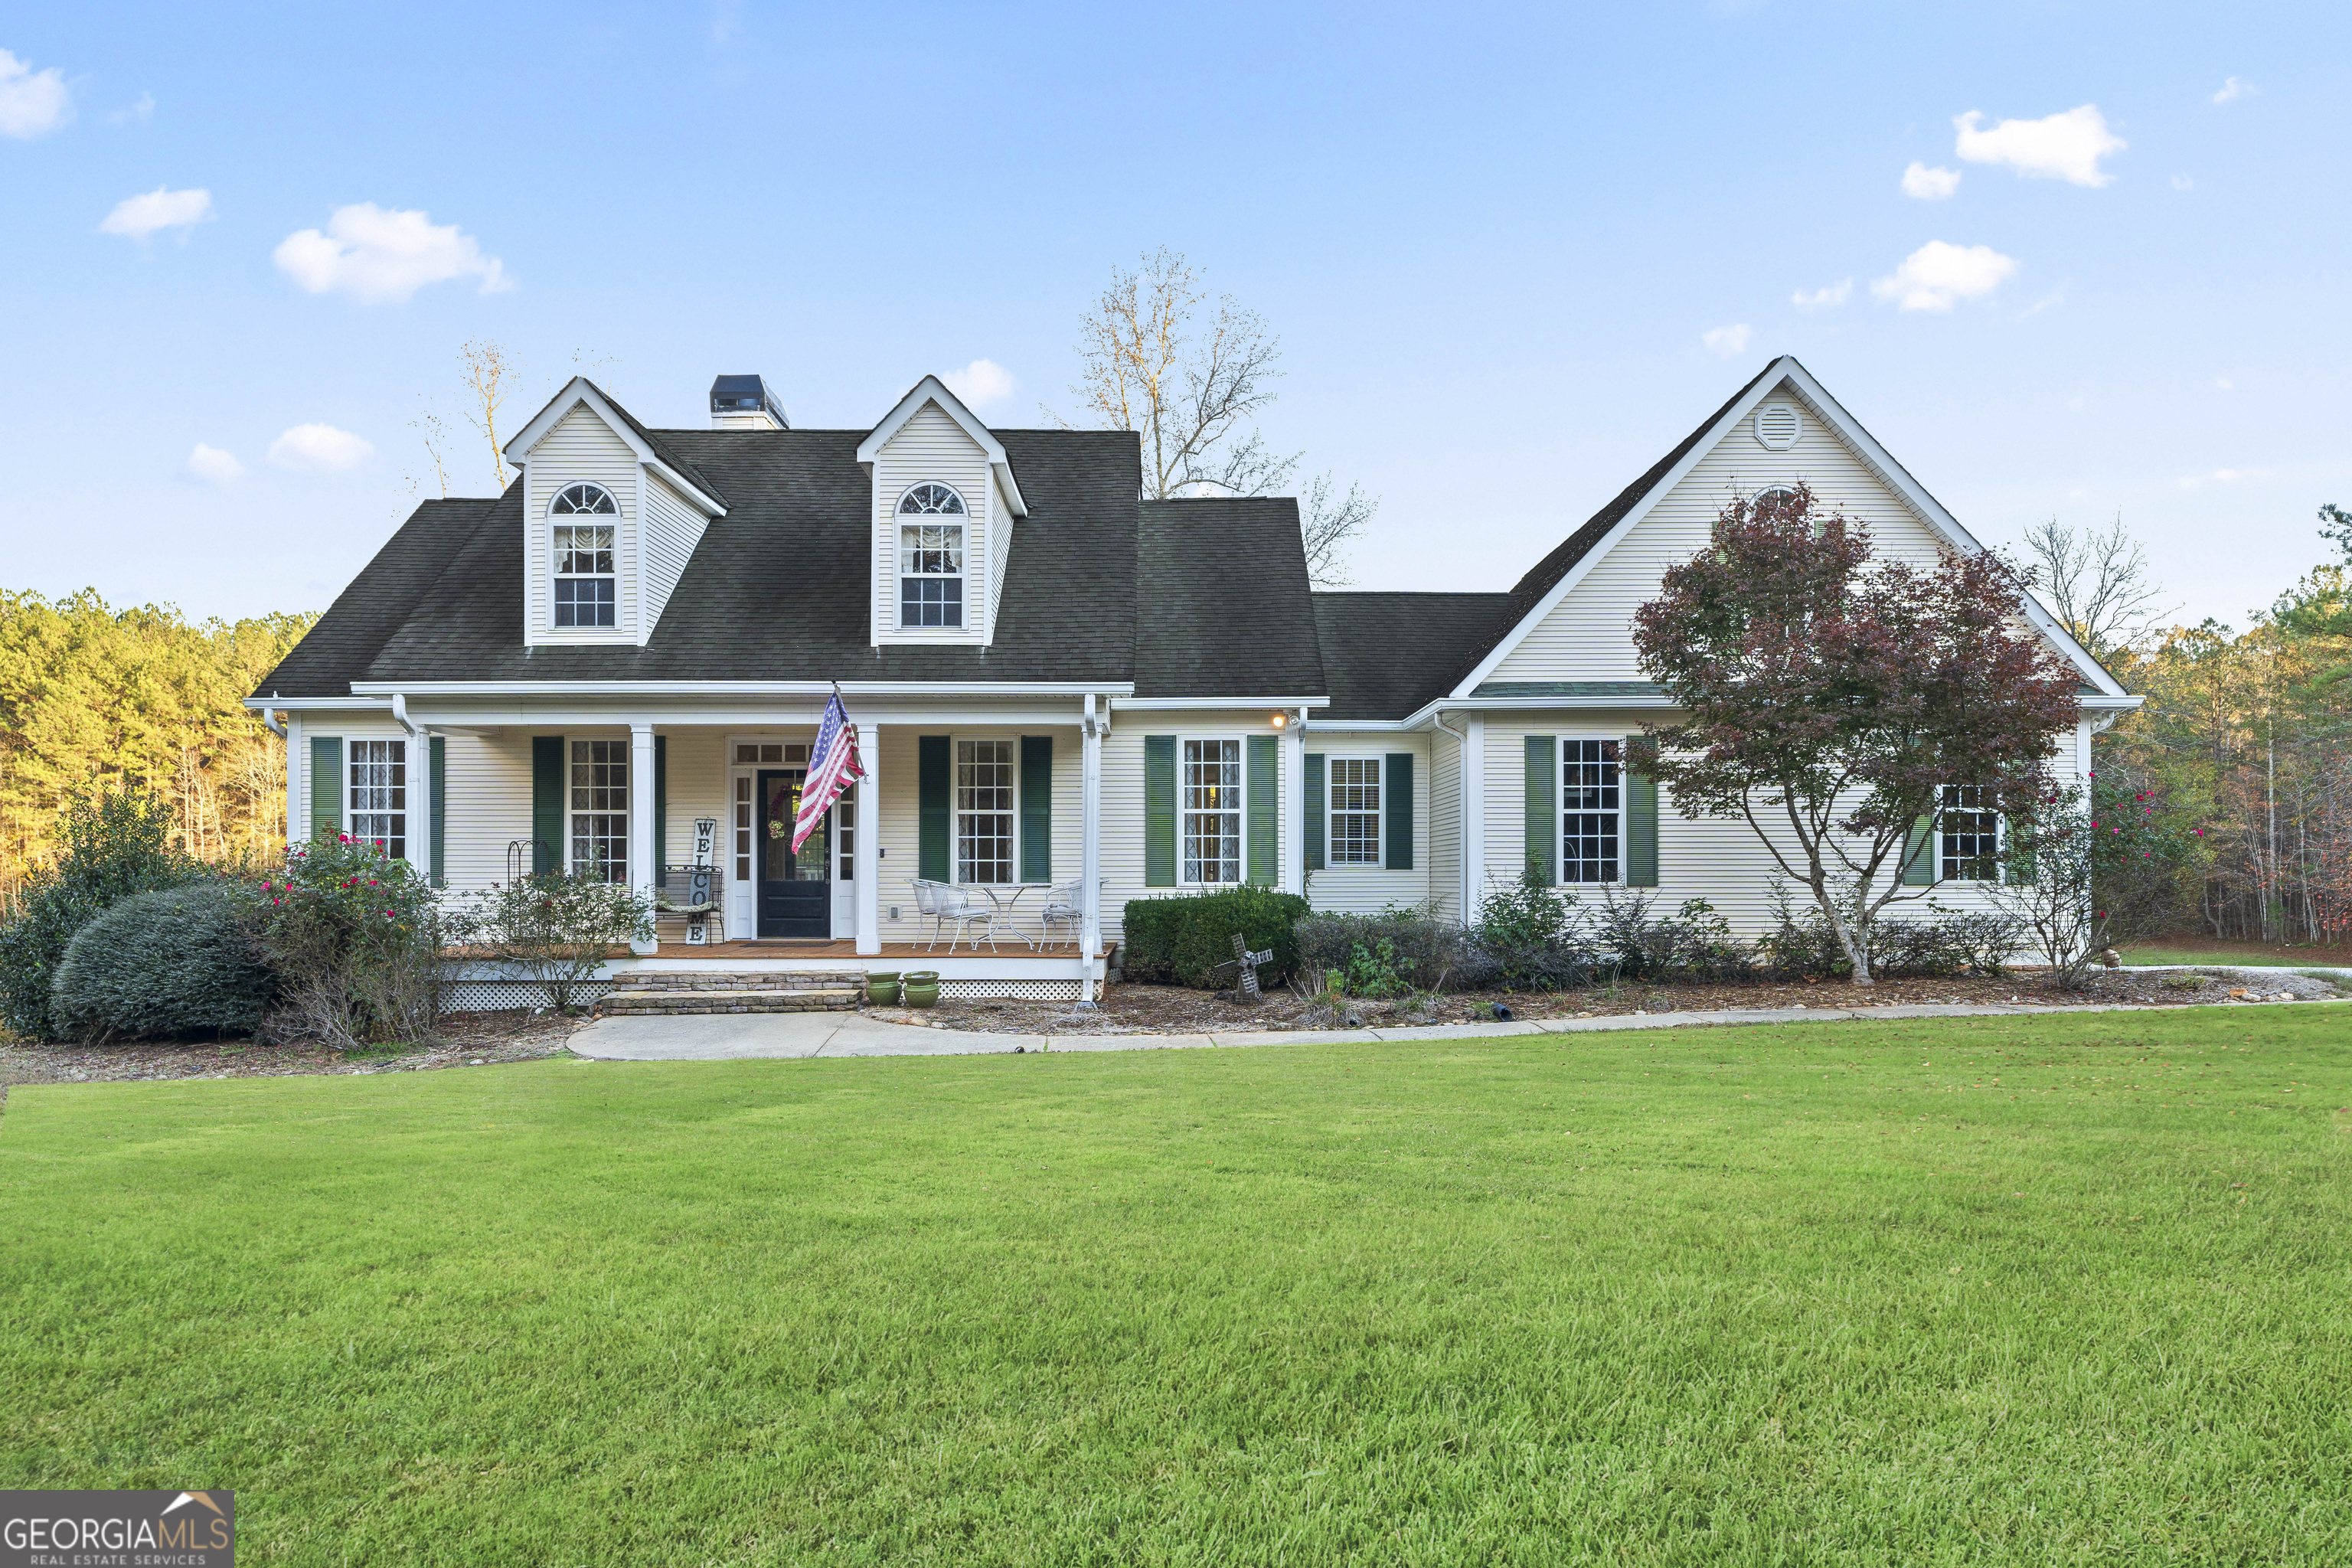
(355, 938)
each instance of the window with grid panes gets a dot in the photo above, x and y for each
(844, 826)
(600, 809)
(586, 591)
(931, 557)
(983, 804)
(1590, 787)
(378, 795)
(1353, 807)
(1210, 802)
(1970, 835)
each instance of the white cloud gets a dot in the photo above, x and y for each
(1930, 184)
(2222, 383)
(318, 448)
(142, 111)
(32, 103)
(2184, 182)
(1726, 341)
(1823, 299)
(383, 256)
(139, 217)
(980, 383)
(212, 464)
(2059, 147)
(2236, 88)
(1935, 275)
(2219, 476)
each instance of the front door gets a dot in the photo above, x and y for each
(796, 895)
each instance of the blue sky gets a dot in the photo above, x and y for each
(1494, 242)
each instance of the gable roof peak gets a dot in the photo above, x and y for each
(932, 390)
(650, 449)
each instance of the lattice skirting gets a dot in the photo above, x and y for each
(1026, 990)
(510, 995)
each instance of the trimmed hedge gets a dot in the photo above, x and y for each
(1181, 939)
(178, 961)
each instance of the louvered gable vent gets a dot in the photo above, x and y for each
(1778, 427)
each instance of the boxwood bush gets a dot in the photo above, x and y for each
(1182, 940)
(177, 961)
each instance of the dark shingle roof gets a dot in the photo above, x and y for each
(1546, 573)
(339, 648)
(663, 450)
(1224, 607)
(1385, 655)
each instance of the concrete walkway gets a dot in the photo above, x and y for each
(737, 1036)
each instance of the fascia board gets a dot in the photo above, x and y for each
(721, 689)
(308, 704)
(1181, 704)
(930, 389)
(1765, 385)
(1931, 511)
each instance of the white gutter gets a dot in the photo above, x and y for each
(299, 704)
(741, 689)
(1178, 704)
(276, 725)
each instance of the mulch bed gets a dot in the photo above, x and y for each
(1136, 1009)
(468, 1039)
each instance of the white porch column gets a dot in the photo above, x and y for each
(644, 852)
(1090, 930)
(1474, 819)
(865, 858)
(1293, 794)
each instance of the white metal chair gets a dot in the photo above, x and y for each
(927, 907)
(1065, 907)
(964, 909)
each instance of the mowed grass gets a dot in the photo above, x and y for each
(2238, 956)
(2011, 1290)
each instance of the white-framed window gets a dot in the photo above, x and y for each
(600, 809)
(984, 813)
(1968, 836)
(845, 834)
(586, 592)
(377, 787)
(1352, 809)
(1592, 811)
(1209, 802)
(930, 558)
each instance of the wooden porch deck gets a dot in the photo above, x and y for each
(846, 950)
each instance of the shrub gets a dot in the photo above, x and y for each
(1946, 944)
(355, 940)
(1181, 939)
(1417, 950)
(177, 961)
(115, 845)
(1530, 936)
(556, 928)
(1695, 944)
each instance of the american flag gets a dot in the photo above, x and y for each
(832, 767)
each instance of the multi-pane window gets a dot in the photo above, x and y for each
(1354, 809)
(983, 804)
(586, 595)
(379, 791)
(844, 823)
(931, 557)
(1210, 800)
(1590, 803)
(1970, 835)
(600, 809)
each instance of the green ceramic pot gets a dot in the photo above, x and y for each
(882, 989)
(922, 988)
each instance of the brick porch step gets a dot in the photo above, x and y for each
(678, 1001)
(769, 980)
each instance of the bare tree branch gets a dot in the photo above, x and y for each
(491, 376)
(2099, 584)
(1326, 523)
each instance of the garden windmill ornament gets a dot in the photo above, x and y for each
(1242, 971)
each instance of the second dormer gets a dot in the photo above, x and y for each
(945, 506)
(610, 518)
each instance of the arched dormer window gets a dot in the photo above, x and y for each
(930, 558)
(581, 551)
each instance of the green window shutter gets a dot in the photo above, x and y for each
(326, 788)
(439, 787)
(1036, 808)
(1158, 811)
(1919, 855)
(547, 793)
(1318, 832)
(934, 809)
(1641, 824)
(1396, 806)
(1264, 808)
(1543, 805)
(661, 802)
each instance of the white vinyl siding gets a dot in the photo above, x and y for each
(1122, 799)
(1444, 830)
(1370, 888)
(673, 527)
(1000, 549)
(1588, 635)
(931, 448)
(901, 793)
(581, 447)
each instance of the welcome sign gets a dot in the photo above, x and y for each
(118, 1530)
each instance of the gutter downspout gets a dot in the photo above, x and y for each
(1092, 723)
(1461, 786)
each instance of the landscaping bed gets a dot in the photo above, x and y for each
(467, 1040)
(1138, 1009)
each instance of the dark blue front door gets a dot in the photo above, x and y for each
(795, 894)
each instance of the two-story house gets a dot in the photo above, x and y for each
(1052, 682)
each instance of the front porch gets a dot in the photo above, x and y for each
(1051, 974)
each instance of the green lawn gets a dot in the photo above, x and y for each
(2011, 1290)
(2237, 955)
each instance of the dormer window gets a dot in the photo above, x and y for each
(585, 581)
(931, 557)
